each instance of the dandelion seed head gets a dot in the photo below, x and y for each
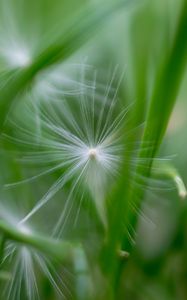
(93, 153)
(21, 259)
(78, 135)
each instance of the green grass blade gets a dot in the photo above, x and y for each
(162, 102)
(57, 249)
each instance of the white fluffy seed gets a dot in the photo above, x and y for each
(93, 153)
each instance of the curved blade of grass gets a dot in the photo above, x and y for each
(164, 170)
(74, 36)
(57, 249)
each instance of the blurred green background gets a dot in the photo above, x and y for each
(136, 41)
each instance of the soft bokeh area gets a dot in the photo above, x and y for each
(93, 119)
